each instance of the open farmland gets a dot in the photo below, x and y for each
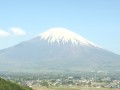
(72, 88)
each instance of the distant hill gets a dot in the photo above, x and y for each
(7, 85)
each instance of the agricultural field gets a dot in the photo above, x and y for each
(72, 88)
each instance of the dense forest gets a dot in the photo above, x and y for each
(7, 85)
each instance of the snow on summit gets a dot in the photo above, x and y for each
(64, 35)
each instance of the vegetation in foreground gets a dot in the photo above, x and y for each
(7, 85)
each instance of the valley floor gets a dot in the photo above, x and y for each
(71, 88)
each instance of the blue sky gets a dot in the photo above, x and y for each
(96, 20)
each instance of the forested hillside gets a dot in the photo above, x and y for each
(7, 85)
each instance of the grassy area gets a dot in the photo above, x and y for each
(72, 88)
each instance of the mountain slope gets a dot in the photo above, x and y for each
(55, 50)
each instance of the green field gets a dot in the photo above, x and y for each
(72, 88)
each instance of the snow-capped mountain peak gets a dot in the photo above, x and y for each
(64, 35)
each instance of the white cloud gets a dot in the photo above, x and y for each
(4, 33)
(17, 31)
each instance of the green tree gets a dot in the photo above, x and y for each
(44, 83)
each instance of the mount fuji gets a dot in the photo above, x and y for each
(58, 49)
